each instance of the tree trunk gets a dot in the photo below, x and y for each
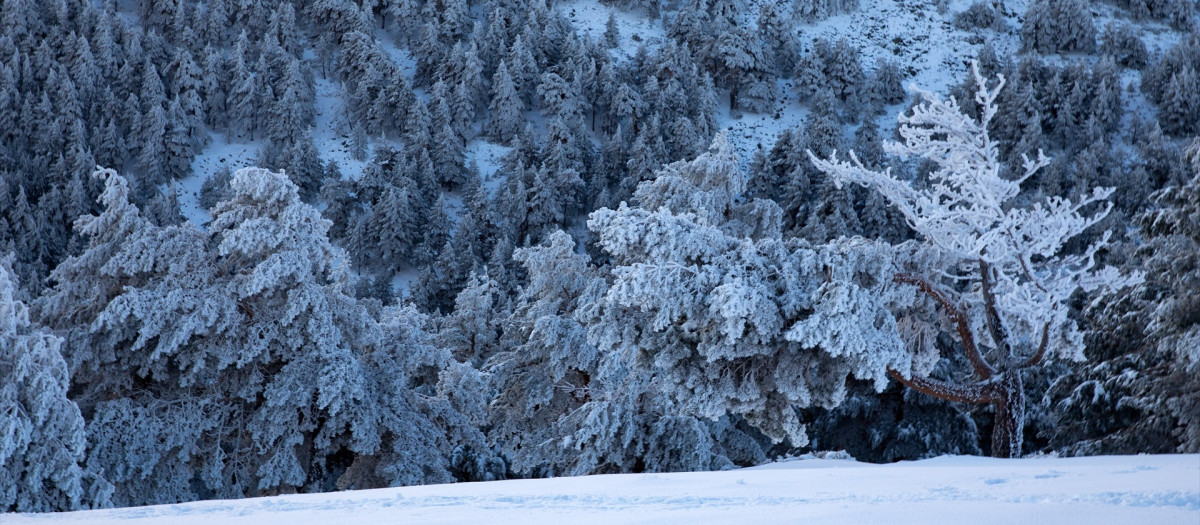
(1003, 388)
(1008, 431)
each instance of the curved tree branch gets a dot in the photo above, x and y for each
(1041, 351)
(977, 393)
(984, 370)
(995, 325)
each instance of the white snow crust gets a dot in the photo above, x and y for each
(1098, 490)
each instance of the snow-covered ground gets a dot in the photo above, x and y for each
(1163, 489)
(487, 157)
(915, 34)
(634, 27)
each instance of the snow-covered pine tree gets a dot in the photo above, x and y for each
(524, 70)
(1119, 42)
(886, 84)
(215, 86)
(1013, 313)
(979, 16)
(152, 153)
(733, 58)
(505, 118)
(627, 106)
(242, 359)
(178, 144)
(809, 75)
(611, 34)
(713, 323)
(186, 87)
(559, 100)
(405, 14)
(435, 232)
(471, 80)
(1179, 113)
(242, 97)
(124, 247)
(1136, 393)
(811, 10)
(447, 146)
(471, 332)
(776, 26)
(689, 23)
(1053, 26)
(800, 188)
(758, 92)
(843, 70)
(338, 17)
(42, 441)
(291, 113)
(428, 409)
(430, 51)
(545, 364)
(392, 228)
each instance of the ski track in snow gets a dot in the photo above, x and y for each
(952, 489)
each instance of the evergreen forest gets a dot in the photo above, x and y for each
(260, 247)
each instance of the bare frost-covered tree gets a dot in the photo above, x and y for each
(1007, 287)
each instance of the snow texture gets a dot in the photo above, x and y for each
(949, 489)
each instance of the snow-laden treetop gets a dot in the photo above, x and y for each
(969, 210)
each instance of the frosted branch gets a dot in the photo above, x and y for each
(976, 393)
(981, 366)
(970, 212)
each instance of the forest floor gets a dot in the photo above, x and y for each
(949, 489)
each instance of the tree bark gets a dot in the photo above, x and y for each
(950, 392)
(1009, 402)
(1001, 386)
(1005, 392)
(982, 368)
(994, 323)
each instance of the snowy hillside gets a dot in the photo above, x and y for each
(263, 247)
(1097, 490)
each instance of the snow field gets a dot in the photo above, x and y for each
(1157, 489)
